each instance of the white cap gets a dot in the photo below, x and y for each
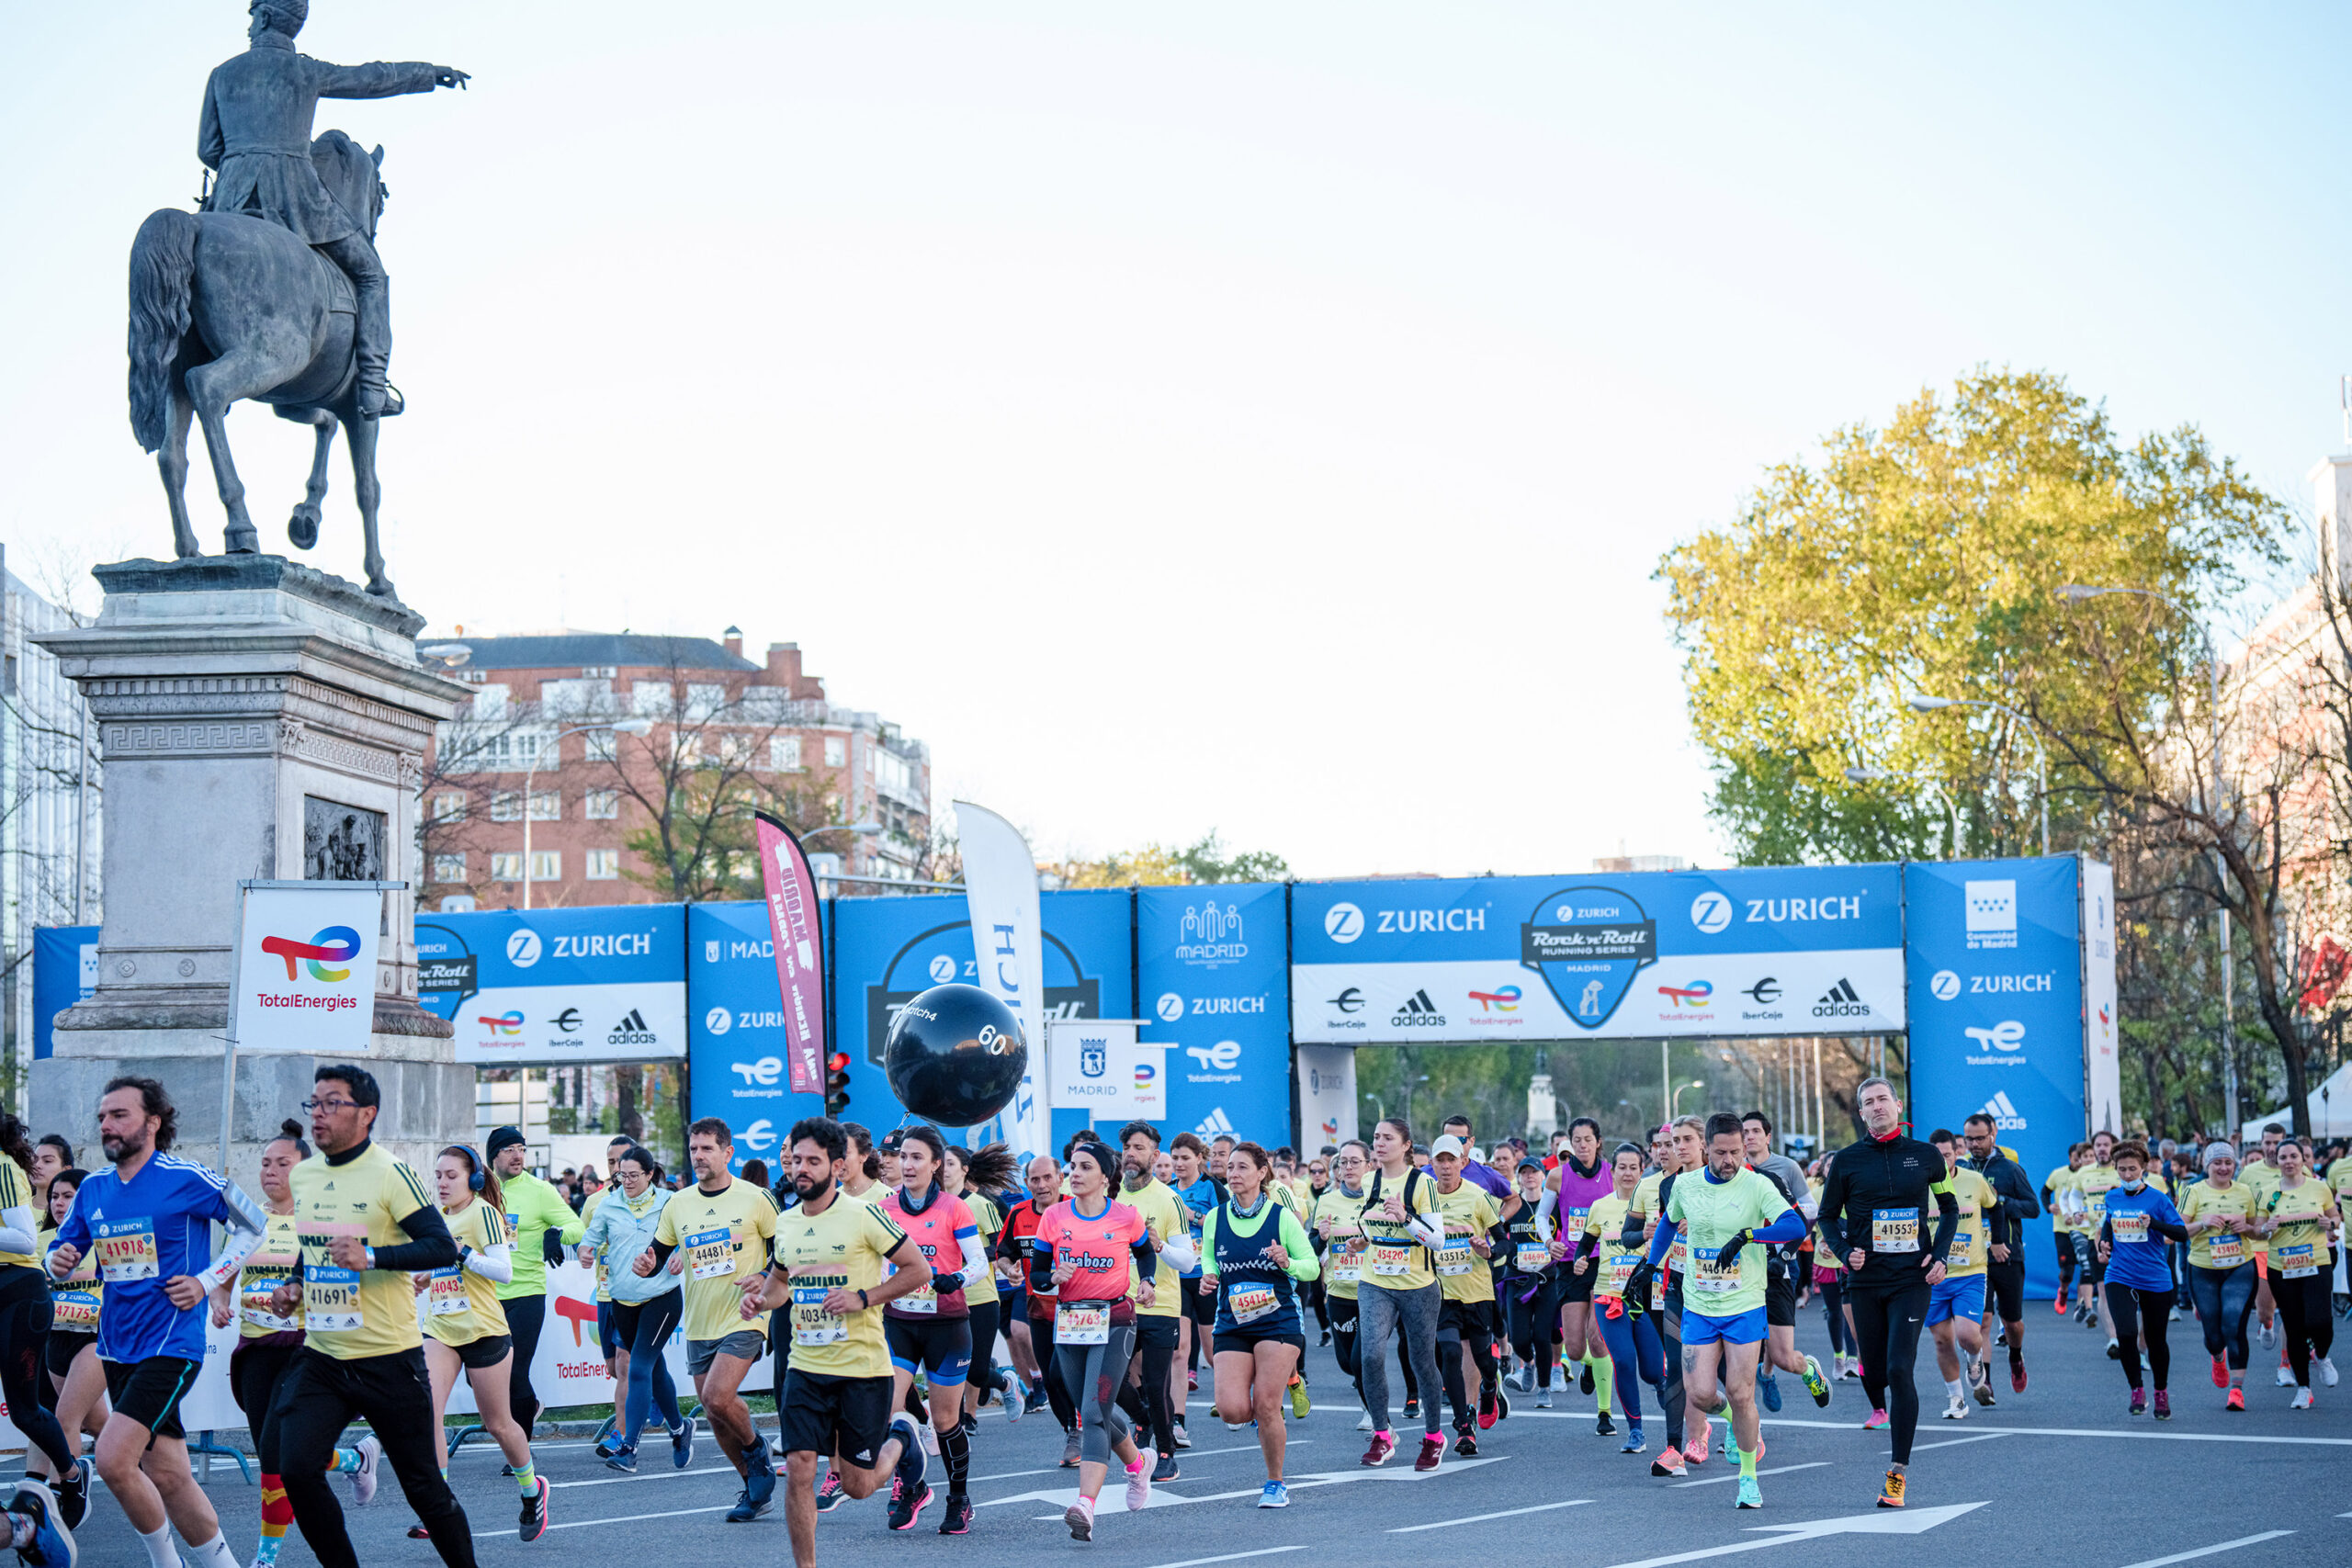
(1448, 1145)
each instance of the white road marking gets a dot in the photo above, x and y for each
(1063, 1497)
(2210, 1551)
(1181, 1455)
(1229, 1557)
(659, 1475)
(1506, 1513)
(1955, 1442)
(622, 1520)
(2137, 1435)
(1914, 1521)
(1776, 1470)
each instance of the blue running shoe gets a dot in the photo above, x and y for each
(1275, 1496)
(1768, 1386)
(681, 1445)
(623, 1460)
(1634, 1440)
(758, 1474)
(1750, 1496)
(53, 1544)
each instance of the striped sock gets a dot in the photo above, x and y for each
(346, 1462)
(526, 1476)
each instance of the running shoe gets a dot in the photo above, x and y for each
(1413, 1408)
(1502, 1405)
(906, 1502)
(1890, 1492)
(2016, 1372)
(2091, 1319)
(1876, 1421)
(2221, 1372)
(1166, 1470)
(535, 1512)
(1138, 1486)
(2236, 1401)
(2285, 1375)
(913, 1466)
(51, 1545)
(622, 1460)
(759, 1472)
(1542, 1399)
(1183, 1439)
(1274, 1495)
(1192, 1381)
(1768, 1388)
(2302, 1400)
(1669, 1463)
(74, 1495)
(1300, 1408)
(1363, 1422)
(1326, 1340)
(958, 1517)
(605, 1444)
(971, 1425)
(1522, 1378)
(1584, 1377)
(1634, 1441)
(1080, 1518)
(1016, 1401)
(2139, 1402)
(830, 1494)
(1605, 1426)
(2114, 1351)
(1750, 1494)
(1695, 1450)
(418, 1532)
(1433, 1451)
(2164, 1406)
(2326, 1367)
(363, 1480)
(1383, 1445)
(1984, 1387)
(1853, 1370)
(1955, 1408)
(2059, 1306)
(681, 1445)
(746, 1510)
(1487, 1411)
(1465, 1445)
(2082, 1311)
(1815, 1383)
(1070, 1447)
(2001, 1340)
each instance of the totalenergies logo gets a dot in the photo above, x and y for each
(505, 1023)
(336, 945)
(1693, 994)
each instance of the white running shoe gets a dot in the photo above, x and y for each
(929, 1439)
(2327, 1370)
(1138, 1487)
(2286, 1378)
(1365, 1425)
(363, 1480)
(2302, 1400)
(1955, 1409)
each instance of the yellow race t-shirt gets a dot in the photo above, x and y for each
(265, 1267)
(2262, 1177)
(1612, 1260)
(2217, 1249)
(2339, 1179)
(1343, 1247)
(1394, 1259)
(1976, 1197)
(1164, 1217)
(1462, 1274)
(723, 1237)
(990, 1220)
(841, 1248)
(2060, 1182)
(77, 1301)
(351, 1314)
(461, 1306)
(17, 1192)
(2299, 1246)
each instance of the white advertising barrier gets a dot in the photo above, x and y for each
(567, 1371)
(1008, 941)
(1098, 1066)
(305, 967)
(1327, 1096)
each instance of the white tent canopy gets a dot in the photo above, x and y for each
(2331, 1110)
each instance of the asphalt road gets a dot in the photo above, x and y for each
(2060, 1472)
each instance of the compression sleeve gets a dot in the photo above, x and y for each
(1178, 1250)
(19, 1231)
(1790, 1226)
(1430, 1235)
(1041, 1266)
(662, 1251)
(1663, 1242)
(975, 1259)
(1143, 1257)
(497, 1263)
(1947, 1218)
(430, 1245)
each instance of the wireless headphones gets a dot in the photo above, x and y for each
(473, 1160)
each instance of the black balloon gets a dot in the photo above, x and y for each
(954, 1055)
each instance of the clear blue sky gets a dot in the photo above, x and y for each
(1258, 417)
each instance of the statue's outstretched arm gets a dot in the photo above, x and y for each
(380, 79)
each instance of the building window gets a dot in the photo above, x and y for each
(784, 753)
(449, 868)
(598, 671)
(600, 805)
(547, 806)
(836, 753)
(603, 745)
(449, 807)
(506, 868)
(506, 805)
(603, 866)
(546, 865)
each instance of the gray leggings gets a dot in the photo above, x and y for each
(1381, 1312)
(1093, 1374)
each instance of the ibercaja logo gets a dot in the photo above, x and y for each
(327, 956)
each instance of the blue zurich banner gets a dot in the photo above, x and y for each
(1996, 1013)
(65, 973)
(735, 1029)
(1216, 989)
(540, 987)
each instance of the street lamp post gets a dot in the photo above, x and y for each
(2041, 757)
(1884, 775)
(1675, 1105)
(531, 773)
(2077, 592)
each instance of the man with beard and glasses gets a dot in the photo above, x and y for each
(1150, 1396)
(148, 1220)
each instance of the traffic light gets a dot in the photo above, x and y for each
(836, 1084)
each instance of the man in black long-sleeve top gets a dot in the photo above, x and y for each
(364, 1224)
(2005, 1268)
(1873, 1214)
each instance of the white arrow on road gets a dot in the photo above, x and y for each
(1063, 1497)
(1887, 1521)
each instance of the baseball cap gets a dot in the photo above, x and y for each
(1447, 1144)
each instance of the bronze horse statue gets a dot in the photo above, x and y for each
(225, 306)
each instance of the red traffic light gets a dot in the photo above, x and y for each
(838, 1062)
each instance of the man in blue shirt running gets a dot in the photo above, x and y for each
(149, 1220)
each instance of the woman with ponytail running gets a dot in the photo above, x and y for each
(1626, 1326)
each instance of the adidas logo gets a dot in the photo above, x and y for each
(2004, 1114)
(1417, 1012)
(631, 1030)
(1841, 1000)
(1216, 1124)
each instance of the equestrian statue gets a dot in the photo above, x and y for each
(272, 291)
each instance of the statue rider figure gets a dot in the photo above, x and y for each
(255, 135)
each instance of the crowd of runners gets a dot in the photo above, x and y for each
(1663, 1280)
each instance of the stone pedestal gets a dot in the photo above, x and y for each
(258, 719)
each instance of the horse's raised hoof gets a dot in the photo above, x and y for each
(302, 531)
(382, 587)
(244, 541)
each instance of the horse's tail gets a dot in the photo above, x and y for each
(163, 272)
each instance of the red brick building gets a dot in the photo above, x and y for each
(628, 818)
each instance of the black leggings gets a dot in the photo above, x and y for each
(1833, 1307)
(254, 1369)
(985, 1316)
(24, 1310)
(1050, 1368)
(1450, 1342)
(1146, 1405)
(2132, 1312)
(1343, 1339)
(2302, 1304)
(1532, 1316)
(1887, 1320)
(526, 1315)
(2224, 1299)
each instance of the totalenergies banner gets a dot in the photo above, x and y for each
(1802, 951)
(306, 968)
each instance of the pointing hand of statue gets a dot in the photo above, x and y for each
(449, 77)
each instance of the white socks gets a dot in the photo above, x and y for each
(159, 1547)
(213, 1554)
(1952, 1386)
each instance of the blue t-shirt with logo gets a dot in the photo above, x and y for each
(2136, 1250)
(144, 1232)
